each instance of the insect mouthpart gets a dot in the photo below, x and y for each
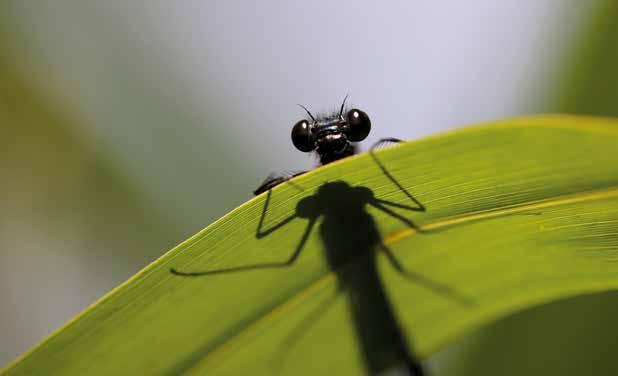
(326, 130)
(334, 142)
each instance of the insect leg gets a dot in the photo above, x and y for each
(259, 233)
(420, 206)
(385, 140)
(266, 265)
(273, 180)
(376, 204)
(311, 319)
(397, 205)
(421, 280)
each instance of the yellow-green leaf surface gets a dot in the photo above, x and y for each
(518, 213)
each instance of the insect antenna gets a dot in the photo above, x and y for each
(305, 108)
(343, 105)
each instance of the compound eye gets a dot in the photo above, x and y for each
(359, 125)
(301, 136)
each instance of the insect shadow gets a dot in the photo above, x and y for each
(350, 238)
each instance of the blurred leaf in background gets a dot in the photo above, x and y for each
(64, 214)
(96, 148)
(588, 80)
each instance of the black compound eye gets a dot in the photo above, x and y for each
(359, 125)
(301, 136)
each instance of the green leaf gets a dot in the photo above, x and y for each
(518, 213)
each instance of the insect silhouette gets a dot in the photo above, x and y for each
(350, 238)
(331, 137)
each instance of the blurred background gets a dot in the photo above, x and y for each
(126, 126)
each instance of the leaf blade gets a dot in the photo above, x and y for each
(470, 180)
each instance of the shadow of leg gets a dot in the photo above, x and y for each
(421, 280)
(389, 175)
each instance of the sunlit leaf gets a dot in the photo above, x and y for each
(518, 213)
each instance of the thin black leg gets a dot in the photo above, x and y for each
(388, 174)
(311, 319)
(397, 205)
(421, 280)
(274, 180)
(385, 140)
(388, 211)
(267, 265)
(259, 233)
